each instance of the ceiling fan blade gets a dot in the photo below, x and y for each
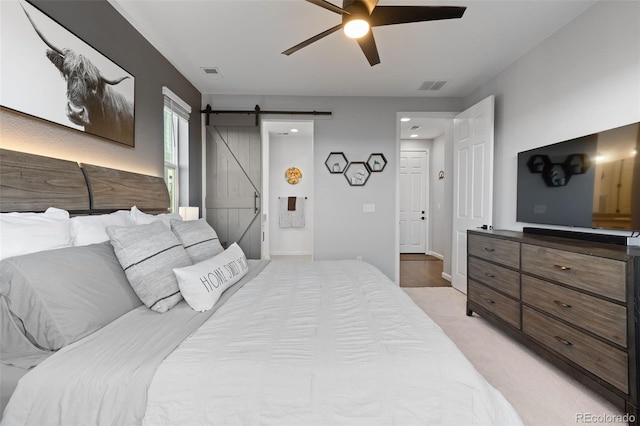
(369, 5)
(368, 46)
(390, 15)
(329, 6)
(311, 40)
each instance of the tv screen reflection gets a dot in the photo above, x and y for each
(590, 182)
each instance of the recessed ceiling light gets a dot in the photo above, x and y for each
(294, 130)
(414, 135)
(405, 119)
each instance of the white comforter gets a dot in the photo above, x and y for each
(321, 343)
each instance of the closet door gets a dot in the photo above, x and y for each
(233, 186)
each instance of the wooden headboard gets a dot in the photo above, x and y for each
(32, 183)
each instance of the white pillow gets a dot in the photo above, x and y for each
(202, 284)
(92, 229)
(23, 233)
(141, 218)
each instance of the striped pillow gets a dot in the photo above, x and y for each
(148, 254)
(198, 238)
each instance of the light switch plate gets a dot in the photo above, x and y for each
(369, 208)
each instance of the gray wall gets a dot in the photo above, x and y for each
(583, 79)
(358, 127)
(101, 26)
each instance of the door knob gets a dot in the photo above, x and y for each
(422, 218)
(422, 211)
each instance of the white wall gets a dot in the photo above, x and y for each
(358, 127)
(438, 221)
(583, 79)
(285, 152)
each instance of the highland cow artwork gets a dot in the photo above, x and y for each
(50, 73)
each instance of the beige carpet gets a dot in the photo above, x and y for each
(540, 393)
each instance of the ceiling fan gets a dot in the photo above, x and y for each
(358, 16)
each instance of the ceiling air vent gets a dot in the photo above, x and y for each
(414, 127)
(432, 85)
(212, 72)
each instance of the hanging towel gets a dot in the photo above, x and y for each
(297, 216)
(285, 215)
(291, 218)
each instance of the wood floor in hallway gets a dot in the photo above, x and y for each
(420, 270)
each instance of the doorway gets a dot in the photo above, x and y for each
(287, 229)
(431, 134)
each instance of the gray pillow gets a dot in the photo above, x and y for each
(148, 254)
(56, 297)
(198, 238)
(16, 349)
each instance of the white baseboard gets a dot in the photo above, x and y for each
(289, 253)
(434, 254)
(446, 277)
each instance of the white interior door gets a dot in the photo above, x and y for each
(413, 201)
(473, 181)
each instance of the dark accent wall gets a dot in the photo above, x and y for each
(101, 26)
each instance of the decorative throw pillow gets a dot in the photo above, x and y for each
(56, 297)
(92, 229)
(23, 233)
(198, 238)
(141, 218)
(148, 254)
(202, 284)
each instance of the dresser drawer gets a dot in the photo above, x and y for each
(603, 360)
(503, 307)
(598, 316)
(495, 249)
(599, 275)
(503, 279)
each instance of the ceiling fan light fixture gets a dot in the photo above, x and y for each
(356, 28)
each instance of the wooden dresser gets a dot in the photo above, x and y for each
(573, 302)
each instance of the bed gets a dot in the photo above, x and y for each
(287, 342)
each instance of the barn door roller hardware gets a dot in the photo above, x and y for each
(257, 111)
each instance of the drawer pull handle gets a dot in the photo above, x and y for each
(562, 304)
(490, 275)
(563, 341)
(489, 249)
(489, 301)
(562, 268)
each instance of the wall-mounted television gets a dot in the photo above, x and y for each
(591, 181)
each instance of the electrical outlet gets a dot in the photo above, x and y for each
(369, 208)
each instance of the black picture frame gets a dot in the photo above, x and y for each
(35, 70)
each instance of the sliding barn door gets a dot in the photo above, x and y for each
(234, 185)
